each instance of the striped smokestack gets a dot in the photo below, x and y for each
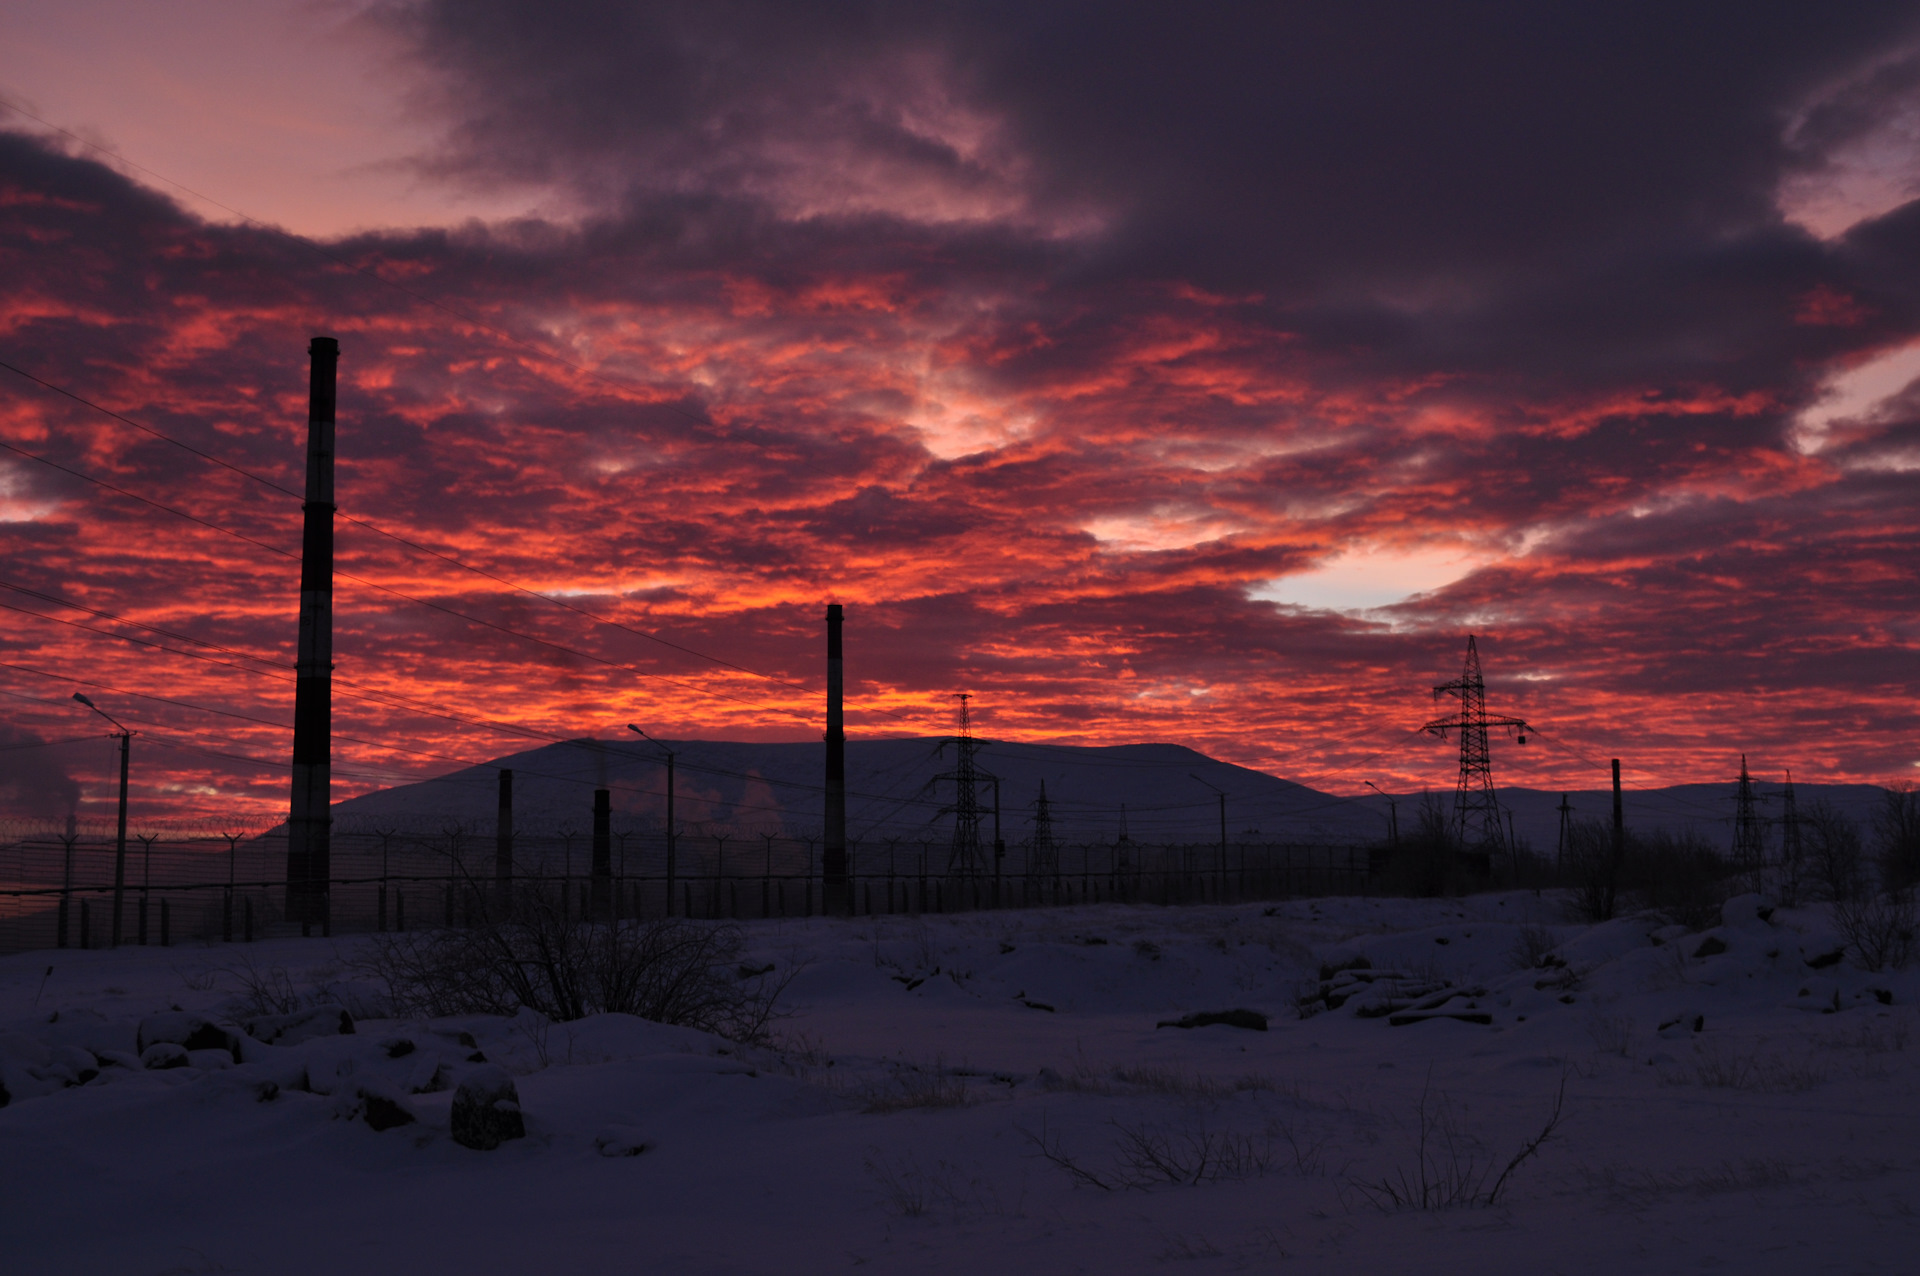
(310, 822)
(833, 859)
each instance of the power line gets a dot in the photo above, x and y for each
(440, 607)
(410, 544)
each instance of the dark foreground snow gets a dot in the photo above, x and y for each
(990, 1093)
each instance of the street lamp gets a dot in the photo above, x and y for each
(670, 844)
(1393, 813)
(120, 842)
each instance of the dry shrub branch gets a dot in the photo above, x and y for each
(670, 970)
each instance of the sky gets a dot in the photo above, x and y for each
(1150, 373)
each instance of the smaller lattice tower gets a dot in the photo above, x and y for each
(965, 860)
(1749, 836)
(1476, 810)
(1043, 857)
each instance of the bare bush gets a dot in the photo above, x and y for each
(1832, 852)
(267, 990)
(1146, 1157)
(1451, 1168)
(1879, 928)
(914, 1192)
(1724, 1068)
(913, 1086)
(1150, 1156)
(1896, 829)
(1531, 943)
(1679, 874)
(669, 970)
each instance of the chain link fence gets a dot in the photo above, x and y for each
(75, 888)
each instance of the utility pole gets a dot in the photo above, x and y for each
(1221, 794)
(309, 825)
(1566, 833)
(120, 841)
(600, 894)
(670, 837)
(503, 847)
(835, 896)
(1476, 811)
(1619, 849)
(999, 843)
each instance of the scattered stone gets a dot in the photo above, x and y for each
(1464, 1016)
(1746, 910)
(399, 1048)
(302, 1025)
(189, 1031)
(209, 1059)
(747, 971)
(1327, 972)
(1251, 1019)
(164, 1054)
(1036, 1005)
(71, 1065)
(1711, 946)
(1683, 1026)
(1831, 957)
(430, 1077)
(385, 1113)
(621, 1140)
(486, 1110)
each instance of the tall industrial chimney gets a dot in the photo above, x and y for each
(310, 823)
(834, 894)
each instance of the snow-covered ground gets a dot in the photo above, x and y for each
(990, 1092)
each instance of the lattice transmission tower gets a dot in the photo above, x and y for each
(965, 861)
(1476, 811)
(1749, 833)
(1043, 857)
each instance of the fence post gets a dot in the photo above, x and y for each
(66, 887)
(86, 927)
(248, 908)
(166, 934)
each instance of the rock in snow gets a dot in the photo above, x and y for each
(302, 1025)
(486, 1109)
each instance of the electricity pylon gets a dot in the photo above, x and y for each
(964, 861)
(1476, 811)
(1749, 836)
(1043, 857)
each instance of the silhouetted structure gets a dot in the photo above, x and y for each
(503, 846)
(602, 871)
(1749, 838)
(1476, 810)
(964, 860)
(1789, 826)
(1043, 857)
(309, 823)
(833, 856)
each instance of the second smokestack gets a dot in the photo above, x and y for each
(833, 859)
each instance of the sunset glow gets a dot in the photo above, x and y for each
(1142, 408)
